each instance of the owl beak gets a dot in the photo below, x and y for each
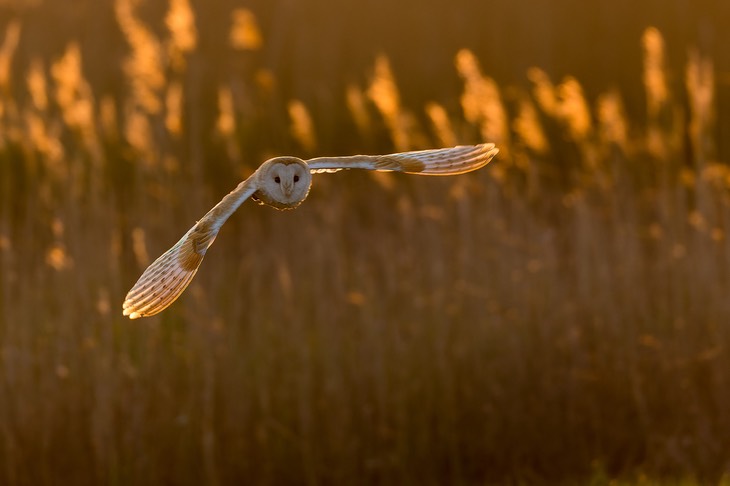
(287, 188)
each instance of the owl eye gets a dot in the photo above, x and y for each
(296, 178)
(277, 179)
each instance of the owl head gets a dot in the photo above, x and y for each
(283, 182)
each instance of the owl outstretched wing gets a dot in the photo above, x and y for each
(440, 162)
(168, 276)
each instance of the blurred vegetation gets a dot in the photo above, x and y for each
(559, 316)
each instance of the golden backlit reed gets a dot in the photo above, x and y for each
(700, 82)
(138, 132)
(144, 64)
(572, 109)
(180, 21)
(663, 131)
(612, 122)
(655, 82)
(245, 34)
(37, 83)
(543, 91)
(73, 95)
(528, 128)
(174, 109)
(7, 51)
(442, 126)
(357, 105)
(41, 130)
(482, 101)
(383, 92)
(226, 122)
(302, 127)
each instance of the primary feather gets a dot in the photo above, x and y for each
(444, 161)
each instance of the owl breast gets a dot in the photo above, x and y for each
(263, 198)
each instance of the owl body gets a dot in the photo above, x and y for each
(282, 183)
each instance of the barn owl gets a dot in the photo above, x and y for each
(283, 183)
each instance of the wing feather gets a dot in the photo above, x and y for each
(168, 276)
(445, 161)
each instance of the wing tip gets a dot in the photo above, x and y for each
(491, 151)
(128, 310)
(470, 158)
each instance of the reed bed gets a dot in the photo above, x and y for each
(559, 316)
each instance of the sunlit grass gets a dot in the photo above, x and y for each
(560, 315)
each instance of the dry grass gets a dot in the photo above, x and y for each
(557, 316)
